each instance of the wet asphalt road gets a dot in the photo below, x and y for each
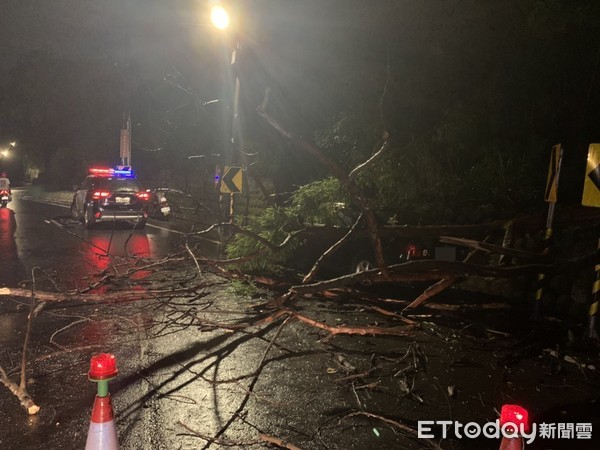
(167, 368)
(168, 371)
(181, 384)
(36, 234)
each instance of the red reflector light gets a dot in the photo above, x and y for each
(100, 194)
(103, 367)
(412, 250)
(143, 195)
(514, 414)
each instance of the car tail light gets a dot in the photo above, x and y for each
(516, 415)
(100, 194)
(143, 195)
(3, 192)
(412, 250)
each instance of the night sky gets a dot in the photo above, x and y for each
(461, 74)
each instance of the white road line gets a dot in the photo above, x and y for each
(55, 222)
(163, 228)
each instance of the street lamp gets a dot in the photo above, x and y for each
(12, 157)
(219, 16)
(5, 152)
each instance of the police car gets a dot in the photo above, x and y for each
(110, 195)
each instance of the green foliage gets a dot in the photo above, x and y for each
(273, 224)
(242, 288)
(470, 168)
(321, 202)
(472, 119)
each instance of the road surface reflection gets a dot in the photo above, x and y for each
(105, 253)
(12, 270)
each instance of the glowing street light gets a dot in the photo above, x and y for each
(220, 17)
(13, 144)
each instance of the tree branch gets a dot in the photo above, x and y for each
(369, 161)
(313, 271)
(424, 270)
(359, 198)
(441, 285)
(26, 401)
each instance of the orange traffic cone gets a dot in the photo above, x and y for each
(102, 434)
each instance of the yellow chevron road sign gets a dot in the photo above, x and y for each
(591, 183)
(232, 181)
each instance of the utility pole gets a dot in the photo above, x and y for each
(125, 150)
(235, 123)
(232, 177)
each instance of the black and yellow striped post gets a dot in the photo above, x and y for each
(550, 196)
(591, 197)
(592, 334)
(539, 292)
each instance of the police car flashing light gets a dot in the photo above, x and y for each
(119, 171)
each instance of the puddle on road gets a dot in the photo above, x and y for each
(102, 253)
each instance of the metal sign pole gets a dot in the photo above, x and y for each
(125, 147)
(593, 311)
(551, 197)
